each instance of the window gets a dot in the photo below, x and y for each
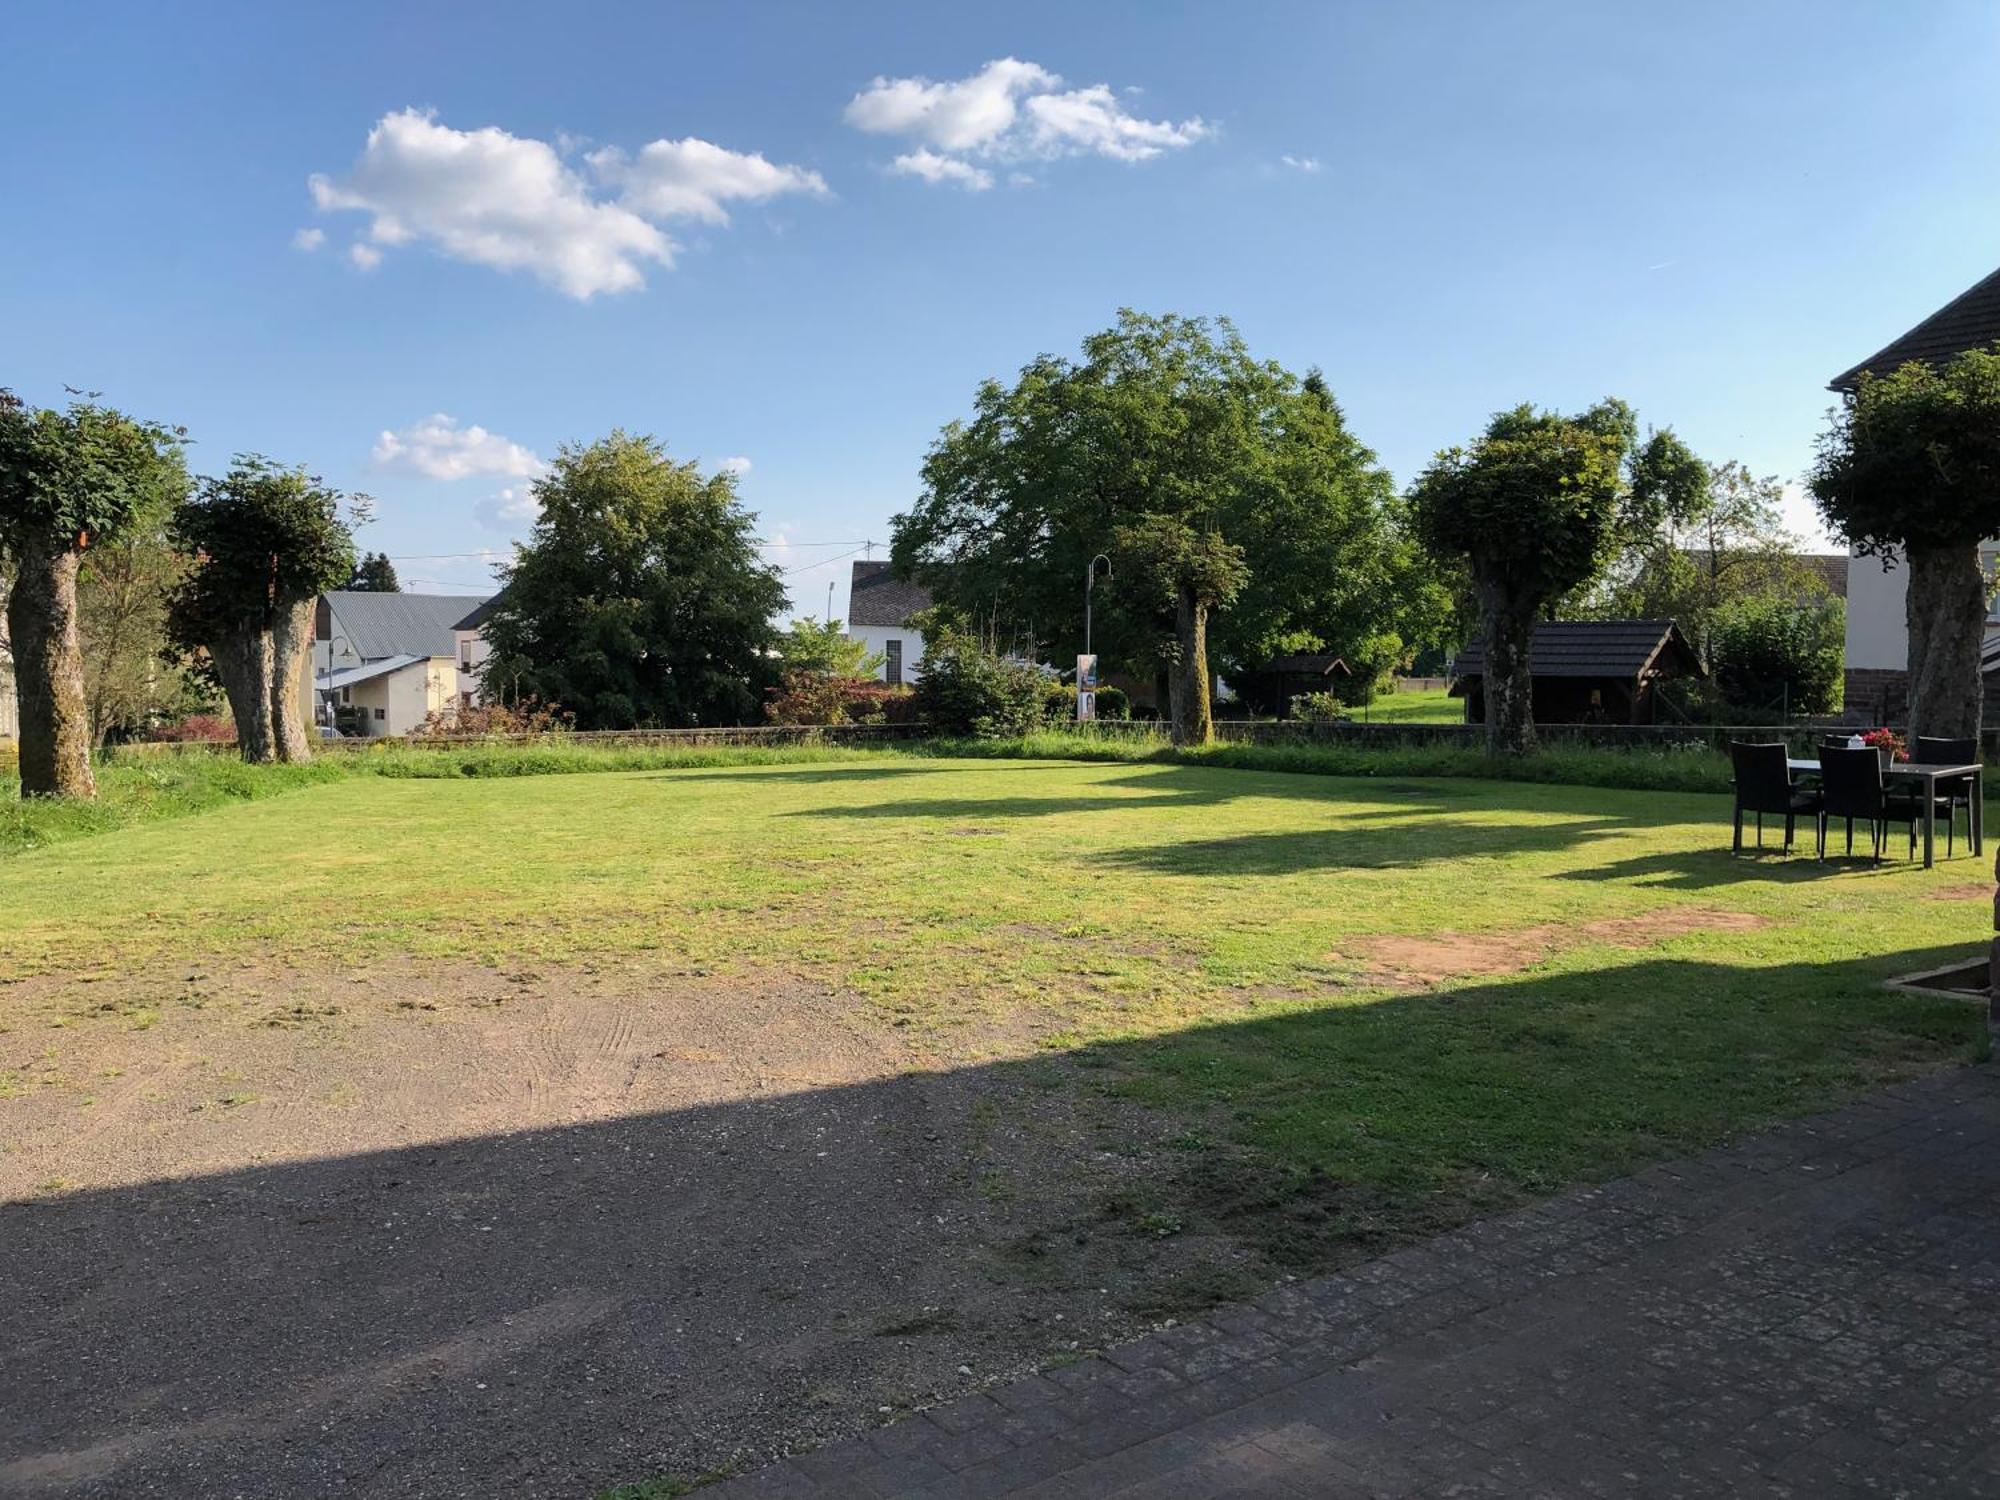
(381, 713)
(892, 666)
(347, 695)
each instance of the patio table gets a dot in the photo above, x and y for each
(1930, 776)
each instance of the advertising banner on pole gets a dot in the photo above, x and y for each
(1086, 674)
(1086, 707)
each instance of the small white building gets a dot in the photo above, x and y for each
(1878, 642)
(878, 615)
(383, 663)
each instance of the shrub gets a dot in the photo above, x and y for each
(524, 716)
(809, 697)
(1112, 703)
(966, 690)
(1320, 708)
(1769, 651)
(208, 728)
(1058, 703)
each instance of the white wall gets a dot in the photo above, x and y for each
(472, 654)
(1877, 636)
(877, 638)
(405, 698)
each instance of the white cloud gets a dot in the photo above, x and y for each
(365, 257)
(309, 239)
(1009, 110)
(968, 115)
(693, 179)
(438, 448)
(736, 464)
(1301, 163)
(933, 168)
(515, 203)
(512, 511)
(493, 199)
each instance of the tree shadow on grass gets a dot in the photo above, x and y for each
(555, 1309)
(1708, 869)
(1363, 844)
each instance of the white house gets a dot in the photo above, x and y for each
(1877, 637)
(383, 663)
(878, 614)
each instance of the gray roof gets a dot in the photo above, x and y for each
(378, 625)
(1624, 649)
(1309, 664)
(348, 676)
(479, 616)
(1971, 320)
(875, 598)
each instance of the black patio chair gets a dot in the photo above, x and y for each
(1764, 785)
(1851, 787)
(1952, 792)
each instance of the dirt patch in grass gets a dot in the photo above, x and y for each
(536, 1232)
(1414, 962)
(1977, 891)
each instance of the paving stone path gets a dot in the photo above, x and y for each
(1812, 1312)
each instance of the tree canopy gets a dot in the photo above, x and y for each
(1537, 508)
(266, 539)
(374, 574)
(1160, 417)
(825, 649)
(640, 599)
(69, 480)
(1910, 467)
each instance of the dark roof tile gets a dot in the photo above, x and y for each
(1971, 320)
(876, 598)
(1592, 648)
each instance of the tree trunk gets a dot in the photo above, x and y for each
(1509, 690)
(1187, 686)
(291, 641)
(243, 662)
(48, 674)
(1945, 609)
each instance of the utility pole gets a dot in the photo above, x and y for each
(829, 601)
(1089, 583)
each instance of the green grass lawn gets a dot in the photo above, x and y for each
(1271, 955)
(1417, 706)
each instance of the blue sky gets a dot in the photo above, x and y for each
(848, 217)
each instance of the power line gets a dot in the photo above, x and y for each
(492, 554)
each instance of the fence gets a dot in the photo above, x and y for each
(1799, 735)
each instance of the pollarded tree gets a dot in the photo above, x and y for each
(1537, 507)
(68, 480)
(1910, 466)
(265, 541)
(640, 599)
(1190, 573)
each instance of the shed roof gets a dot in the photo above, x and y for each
(1971, 320)
(348, 676)
(378, 625)
(1311, 664)
(1624, 649)
(877, 598)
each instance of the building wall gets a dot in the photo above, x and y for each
(1877, 682)
(877, 638)
(472, 654)
(404, 699)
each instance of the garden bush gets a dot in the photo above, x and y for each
(967, 690)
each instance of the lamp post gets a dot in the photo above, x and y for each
(1089, 583)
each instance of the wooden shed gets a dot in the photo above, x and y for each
(1588, 671)
(1271, 688)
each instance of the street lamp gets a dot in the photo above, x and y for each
(1089, 583)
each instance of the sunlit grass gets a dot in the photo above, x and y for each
(1205, 938)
